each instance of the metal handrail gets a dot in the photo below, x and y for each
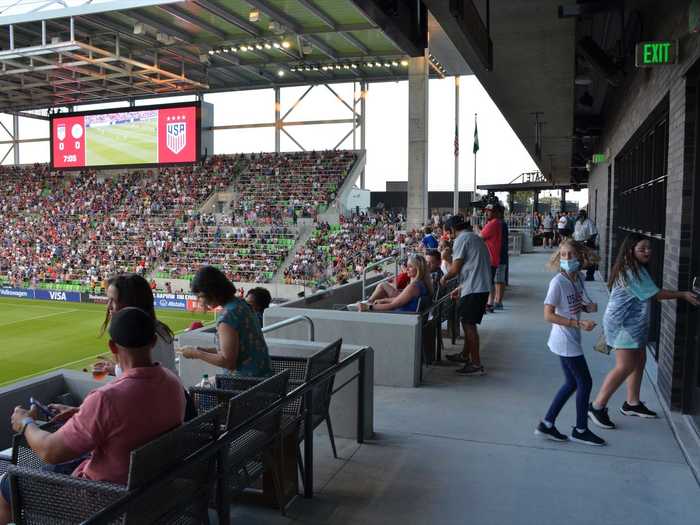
(293, 320)
(376, 265)
(118, 507)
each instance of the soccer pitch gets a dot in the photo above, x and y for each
(128, 143)
(40, 336)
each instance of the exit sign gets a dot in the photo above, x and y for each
(599, 158)
(661, 53)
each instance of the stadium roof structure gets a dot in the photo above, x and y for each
(67, 52)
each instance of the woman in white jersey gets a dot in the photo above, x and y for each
(566, 299)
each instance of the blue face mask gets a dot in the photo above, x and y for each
(570, 265)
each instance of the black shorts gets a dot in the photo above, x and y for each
(472, 307)
(548, 235)
(493, 274)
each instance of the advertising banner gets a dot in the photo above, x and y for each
(171, 300)
(21, 293)
(55, 295)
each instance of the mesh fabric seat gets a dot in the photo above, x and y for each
(251, 445)
(42, 497)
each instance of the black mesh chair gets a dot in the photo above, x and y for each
(321, 393)
(43, 497)
(252, 449)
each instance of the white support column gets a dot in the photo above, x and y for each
(15, 138)
(417, 209)
(363, 122)
(278, 122)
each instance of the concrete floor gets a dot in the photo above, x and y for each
(461, 449)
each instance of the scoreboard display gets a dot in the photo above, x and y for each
(135, 136)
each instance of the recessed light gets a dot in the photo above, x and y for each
(404, 63)
(267, 46)
(276, 45)
(280, 73)
(286, 44)
(254, 15)
(258, 47)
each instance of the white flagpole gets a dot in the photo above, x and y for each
(455, 203)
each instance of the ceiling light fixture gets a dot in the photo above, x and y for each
(404, 63)
(286, 44)
(280, 73)
(275, 45)
(267, 46)
(254, 15)
(258, 46)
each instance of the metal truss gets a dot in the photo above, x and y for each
(281, 123)
(60, 73)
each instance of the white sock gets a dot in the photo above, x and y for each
(596, 406)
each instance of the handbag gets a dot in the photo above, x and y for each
(601, 345)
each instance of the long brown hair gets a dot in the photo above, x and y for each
(133, 290)
(626, 261)
(585, 255)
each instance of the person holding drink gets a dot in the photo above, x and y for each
(566, 299)
(132, 290)
(241, 347)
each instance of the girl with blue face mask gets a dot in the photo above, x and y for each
(566, 300)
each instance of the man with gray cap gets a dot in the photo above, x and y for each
(146, 401)
(471, 261)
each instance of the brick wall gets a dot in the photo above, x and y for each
(626, 109)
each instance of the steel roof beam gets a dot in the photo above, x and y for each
(186, 17)
(315, 10)
(229, 17)
(160, 26)
(407, 28)
(272, 12)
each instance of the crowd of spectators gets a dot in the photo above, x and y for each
(280, 188)
(63, 227)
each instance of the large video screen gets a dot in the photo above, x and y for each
(144, 136)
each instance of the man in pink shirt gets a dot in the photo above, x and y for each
(492, 233)
(143, 403)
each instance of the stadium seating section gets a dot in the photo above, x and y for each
(71, 230)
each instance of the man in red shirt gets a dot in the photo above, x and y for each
(146, 401)
(492, 233)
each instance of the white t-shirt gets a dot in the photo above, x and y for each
(563, 223)
(567, 299)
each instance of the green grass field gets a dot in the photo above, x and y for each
(40, 336)
(122, 144)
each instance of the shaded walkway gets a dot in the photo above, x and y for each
(462, 450)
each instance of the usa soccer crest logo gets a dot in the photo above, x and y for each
(176, 136)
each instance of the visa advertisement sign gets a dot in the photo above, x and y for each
(54, 295)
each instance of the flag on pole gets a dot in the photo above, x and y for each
(476, 136)
(456, 141)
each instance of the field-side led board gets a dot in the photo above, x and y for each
(145, 136)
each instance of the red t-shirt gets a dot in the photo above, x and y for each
(121, 416)
(492, 233)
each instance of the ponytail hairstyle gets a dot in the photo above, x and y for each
(134, 290)
(586, 255)
(626, 262)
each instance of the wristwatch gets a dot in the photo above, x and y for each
(25, 423)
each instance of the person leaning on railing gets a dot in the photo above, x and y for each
(242, 348)
(96, 441)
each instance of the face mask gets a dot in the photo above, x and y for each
(569, 265)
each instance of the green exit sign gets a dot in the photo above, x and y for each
(599, 158)
(661, 53)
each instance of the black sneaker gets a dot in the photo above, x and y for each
(586, 437)
(550, 432)
(457, 357)
(471, 370)
(639, 410)
(600, 417)
(490, 309)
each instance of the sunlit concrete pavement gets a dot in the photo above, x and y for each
(461, 449)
